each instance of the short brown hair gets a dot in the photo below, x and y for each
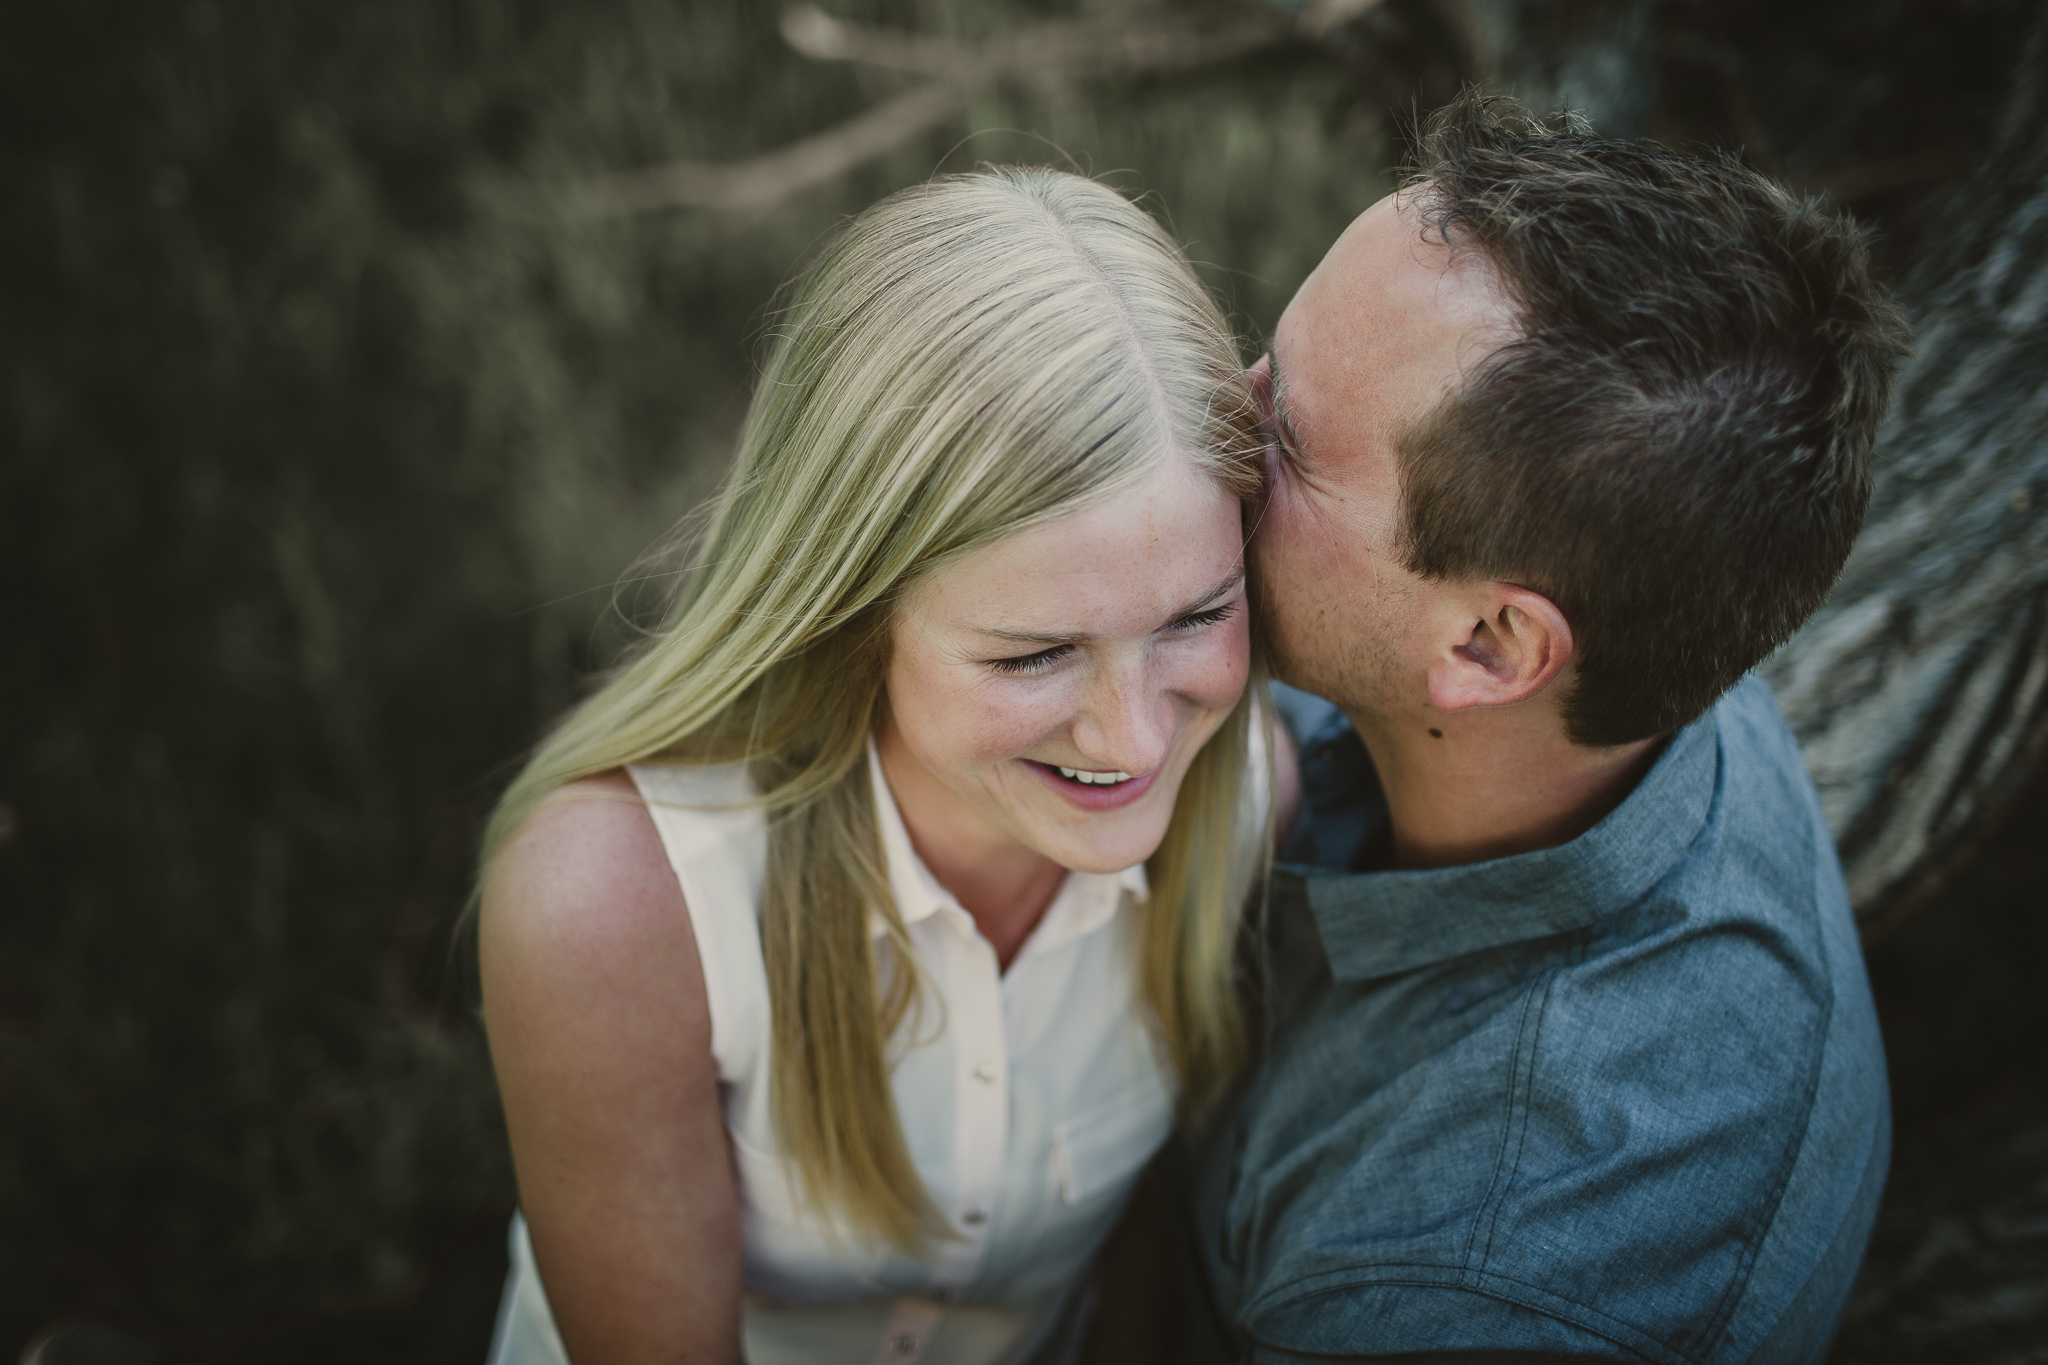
(1676, 447)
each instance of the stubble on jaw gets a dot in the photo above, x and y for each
(1323, 633)
(1321, 648)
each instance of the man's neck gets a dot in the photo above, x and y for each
(1485, 784)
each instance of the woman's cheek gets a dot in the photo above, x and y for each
(1221, 667)
(1011, 719)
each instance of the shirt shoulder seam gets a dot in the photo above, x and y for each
(1481, 1284)
(1514, 1122)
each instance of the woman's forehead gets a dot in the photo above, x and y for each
(1167, 539)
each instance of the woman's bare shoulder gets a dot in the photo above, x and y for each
(602, 1041)
(585, 874)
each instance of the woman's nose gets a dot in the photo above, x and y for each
(1126, 722)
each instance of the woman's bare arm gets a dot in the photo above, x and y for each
(594, 1001)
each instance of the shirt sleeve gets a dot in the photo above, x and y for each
(1422, 1322)
(1269, 1355)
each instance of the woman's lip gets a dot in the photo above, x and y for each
(1094, 798)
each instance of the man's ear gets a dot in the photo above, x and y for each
(1516, 645)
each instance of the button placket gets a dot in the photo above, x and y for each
(974, 998)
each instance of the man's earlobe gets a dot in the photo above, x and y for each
(1515, 651)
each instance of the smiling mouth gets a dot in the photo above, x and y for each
(1096, 791)
(1089, 779)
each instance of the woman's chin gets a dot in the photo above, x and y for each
(1108, 850)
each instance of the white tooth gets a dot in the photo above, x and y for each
(1093, 779)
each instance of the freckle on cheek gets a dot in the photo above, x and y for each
(1006, 731)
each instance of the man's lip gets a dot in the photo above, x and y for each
(1094, 798)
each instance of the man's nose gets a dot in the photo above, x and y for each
(1126, 722)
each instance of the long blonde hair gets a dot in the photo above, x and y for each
(967, 358)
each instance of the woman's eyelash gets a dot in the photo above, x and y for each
(1196, 620)
(1031, 663)
(1045, 658)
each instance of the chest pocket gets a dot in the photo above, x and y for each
(1103, 1149)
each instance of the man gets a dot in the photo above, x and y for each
(1568, 1048)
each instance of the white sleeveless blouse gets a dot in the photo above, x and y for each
(1030, 1100)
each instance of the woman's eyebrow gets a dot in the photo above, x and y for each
(1230, 580)
(1025, 637)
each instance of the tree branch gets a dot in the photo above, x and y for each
(954, 72)
(1319, 17)
(759, 181)
(1065, 48)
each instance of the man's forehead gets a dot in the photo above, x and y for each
(1390, 320)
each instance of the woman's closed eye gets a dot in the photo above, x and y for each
(1025, 664)
(1199, 620)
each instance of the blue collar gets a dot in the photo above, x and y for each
(1377, 923)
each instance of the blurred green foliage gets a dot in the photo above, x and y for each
(326, 433)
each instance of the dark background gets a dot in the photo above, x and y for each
(332, 423)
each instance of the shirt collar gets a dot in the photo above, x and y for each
(1084, 903)
(1378, 923)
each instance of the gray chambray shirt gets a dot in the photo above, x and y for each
(1620, 1099)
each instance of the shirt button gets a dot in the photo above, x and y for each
(985, 1073)
(974, 1218)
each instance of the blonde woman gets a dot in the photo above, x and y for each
(848, 954)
